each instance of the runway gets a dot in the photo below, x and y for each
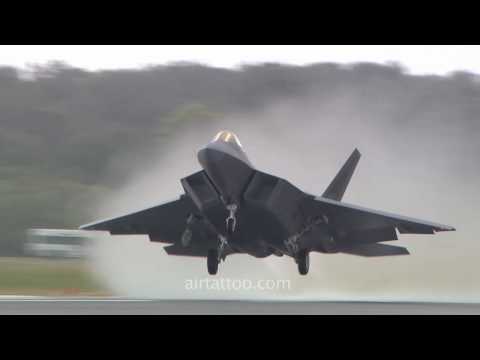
(119, 306)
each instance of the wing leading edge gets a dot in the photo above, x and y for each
(164, 222)
(353, 218)
(359, 230)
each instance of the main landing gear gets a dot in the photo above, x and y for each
(214, 256)
(301, 256)
(303, 262)
(212, 261)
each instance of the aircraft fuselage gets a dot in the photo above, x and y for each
(261, 227)
(230, 207)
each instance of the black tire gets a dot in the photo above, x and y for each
(303, 262)
(212, 261)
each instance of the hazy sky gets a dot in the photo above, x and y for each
(418, 59)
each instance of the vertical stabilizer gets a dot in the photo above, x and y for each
(339, 184)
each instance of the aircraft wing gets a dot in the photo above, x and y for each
(164, 223)
(356, 224)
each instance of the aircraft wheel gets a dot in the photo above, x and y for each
(212, 261)
(303, 262)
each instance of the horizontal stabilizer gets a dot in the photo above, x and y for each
(185, 251)
(376, 249)
(199, 250)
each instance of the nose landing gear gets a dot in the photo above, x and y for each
(214, 256)
(231, 220)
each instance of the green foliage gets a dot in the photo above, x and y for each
(47, 277)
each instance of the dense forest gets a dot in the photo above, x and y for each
(60, 126)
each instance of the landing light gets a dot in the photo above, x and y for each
(227, 136)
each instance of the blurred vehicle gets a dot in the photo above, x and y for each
(57, 243)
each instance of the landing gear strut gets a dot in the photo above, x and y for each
(231, 221)
(303, 262)
(214, 256)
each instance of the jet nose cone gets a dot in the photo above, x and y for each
(227, 167)
(208, 156)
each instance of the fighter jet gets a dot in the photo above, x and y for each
(229, 207)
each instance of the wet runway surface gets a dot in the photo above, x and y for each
(165, 307)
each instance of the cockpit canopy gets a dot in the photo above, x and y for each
(227, 136)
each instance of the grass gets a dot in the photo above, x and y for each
(48, 277)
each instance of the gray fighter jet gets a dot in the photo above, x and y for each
(229, 207)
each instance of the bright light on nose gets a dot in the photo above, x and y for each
(227, 136)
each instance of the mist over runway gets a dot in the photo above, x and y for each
(420, 166)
